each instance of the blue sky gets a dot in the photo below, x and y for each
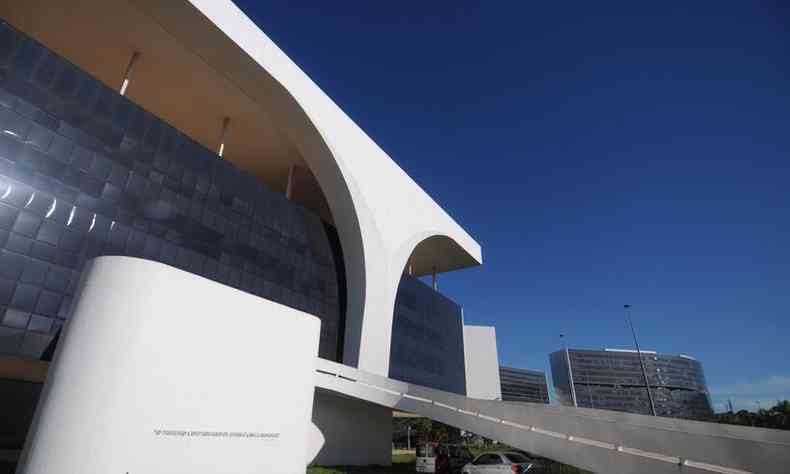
(602, 153)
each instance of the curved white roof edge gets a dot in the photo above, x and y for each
(381, 214)
(374, 172)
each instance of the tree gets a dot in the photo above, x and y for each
(776, 417)
(422, 429)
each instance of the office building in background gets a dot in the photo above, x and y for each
(522, 385)
(230, 269)
(612, 379)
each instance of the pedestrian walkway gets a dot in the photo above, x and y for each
(595, 440)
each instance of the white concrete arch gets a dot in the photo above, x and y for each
(227, 41)
(278, 118)
(425, 251)
(234, 73)
(388, 211)
(346, 206)
(433, 250)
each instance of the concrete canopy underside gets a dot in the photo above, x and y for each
(203, 60)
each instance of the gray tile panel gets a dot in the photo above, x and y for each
(86, 172)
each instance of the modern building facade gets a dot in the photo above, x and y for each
(522, 385)
(87, 172)
(177, 132)
(612, 379)
(427, 338)
(199, 229)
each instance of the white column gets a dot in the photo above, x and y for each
(225, 123)
(290, 184)
(128, 74)
(570, 376)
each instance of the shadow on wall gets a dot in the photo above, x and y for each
(18, 400)
(355, 432)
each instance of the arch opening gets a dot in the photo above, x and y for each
(427, 343)
(437, 254)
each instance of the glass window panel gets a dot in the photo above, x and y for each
(136, 186)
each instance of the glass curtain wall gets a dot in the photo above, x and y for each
(86, 172)
(427, 338)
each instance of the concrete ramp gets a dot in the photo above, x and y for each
(597, 440)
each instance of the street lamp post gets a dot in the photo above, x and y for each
(408, 437)
(589, 390)
(641, 362)
(570, 372)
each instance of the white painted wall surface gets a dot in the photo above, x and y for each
(355, 432)
(150, 347)
(482, 363)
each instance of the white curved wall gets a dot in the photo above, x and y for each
(390, 214)
(228, 376)
(315, 442)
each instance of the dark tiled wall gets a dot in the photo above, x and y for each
(613, 380)
(623, 368)
(520, 385)
(427, 338)
(85, 172)
(672, 403)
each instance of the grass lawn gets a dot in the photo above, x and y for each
(401, 463)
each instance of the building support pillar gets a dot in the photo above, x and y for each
(570, 373)
(128, 74)
(355, 432)
(225, 123)
(435, 280)
(289, 186)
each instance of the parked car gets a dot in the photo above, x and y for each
(499, 462)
